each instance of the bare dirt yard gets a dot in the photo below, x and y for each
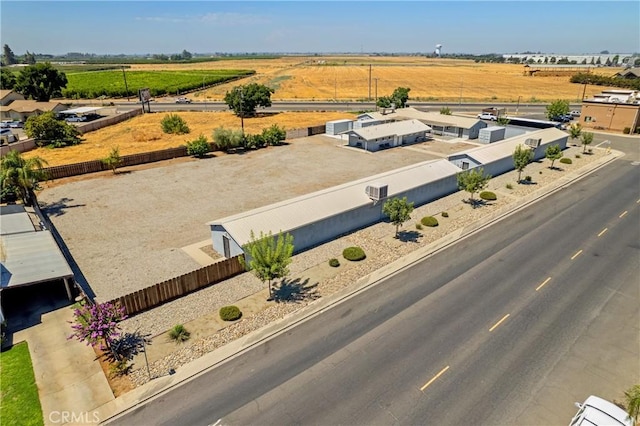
(126, 231)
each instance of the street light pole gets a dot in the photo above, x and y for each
(518, 105)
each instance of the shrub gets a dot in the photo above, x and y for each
(565, 160)
(488, 195)
(174, 124)
(445, 214)
(577, 156)
(419, 226)
(429, 221)
(113, 161)
(198, 147)
(509, 186)
(626, 130)
(334, 262)
(179, 333)
(353, 253)
(230, 313)
(527, 179)
(540, 172)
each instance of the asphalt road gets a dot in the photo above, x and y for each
(463, 337)
(281, 106)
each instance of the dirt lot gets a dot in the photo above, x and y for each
(125, 231)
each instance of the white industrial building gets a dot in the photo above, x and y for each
(387, 135)
(444, 125)
(318, 217)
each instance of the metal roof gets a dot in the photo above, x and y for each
(400, 128)
(30, 258)
(14, 220)
(430, 118)
(300, 211)
(80, 110)
(496, 151)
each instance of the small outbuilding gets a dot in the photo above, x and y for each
(492, 134)
(336, 127)
(388, 135)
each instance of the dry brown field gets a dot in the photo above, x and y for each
(347, 78)
(144, 133)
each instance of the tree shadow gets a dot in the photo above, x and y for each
(556, 168)
(409, 236)
(475, 203)
(295, 291)
(127, 346)
(527, 182)
(58, 208)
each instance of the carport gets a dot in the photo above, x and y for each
(28, 256)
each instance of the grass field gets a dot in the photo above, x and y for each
(20, 404)
(347, 78)
(144, 133)
(111, 83)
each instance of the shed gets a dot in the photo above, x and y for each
(336, 127)
(387, 135)
(491, 134)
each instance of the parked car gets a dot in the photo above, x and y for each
(76, 119)
(183, 100)
(575, 113)
(487, 116)
(16, 124)
(600, 412)
(560, 119)
(5, 124)
(7, 136)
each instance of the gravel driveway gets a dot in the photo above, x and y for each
(125, 231)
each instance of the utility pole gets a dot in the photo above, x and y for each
(242, 112)
(518, 105)
(376, 93)
(126, 87)
(584, 91)
(369, 82)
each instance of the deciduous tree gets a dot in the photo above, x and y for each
(20, 175)
(557, 108)
(47, 131)
(40, 82)
(269, 256)
(113, 160)
(98, 323)
(7, 79)
(473, 180)
(398, 210)
(400, 96)
(587, 139)
(575, 131)
(243, 100)
(553, 153)
(522, 156)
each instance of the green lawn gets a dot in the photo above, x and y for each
(20, 404)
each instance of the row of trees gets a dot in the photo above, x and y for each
(39, 82)
(603, 80)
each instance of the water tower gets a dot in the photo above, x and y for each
(437, 52)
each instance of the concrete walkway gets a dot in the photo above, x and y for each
(70, 381)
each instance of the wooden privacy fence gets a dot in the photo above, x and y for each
(174, 288)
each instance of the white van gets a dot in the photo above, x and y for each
(7, 136)
(595, 411)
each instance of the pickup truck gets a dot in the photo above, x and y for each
(487, 116)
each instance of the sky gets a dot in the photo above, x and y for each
(476, 27)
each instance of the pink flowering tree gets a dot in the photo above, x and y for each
(98, 323)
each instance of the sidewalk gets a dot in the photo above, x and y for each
(210, 360)
(70, 381)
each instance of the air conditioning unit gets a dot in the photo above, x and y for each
(533, 142)
(377, 191)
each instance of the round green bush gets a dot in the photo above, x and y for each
(353, 253)
(565, 160)
(230, 313)
(429, 221)
(488, 195)
(527, 179)
(334, 262)
(418, 226)
(445, 214)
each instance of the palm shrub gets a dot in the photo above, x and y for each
(632, 399)
(354, 254)
(230, 313)
(179, 333)
(198, 147)
(488, 196)
(21, 175)
(174, 124)
(429, 221)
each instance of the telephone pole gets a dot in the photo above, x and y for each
(369, 82)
